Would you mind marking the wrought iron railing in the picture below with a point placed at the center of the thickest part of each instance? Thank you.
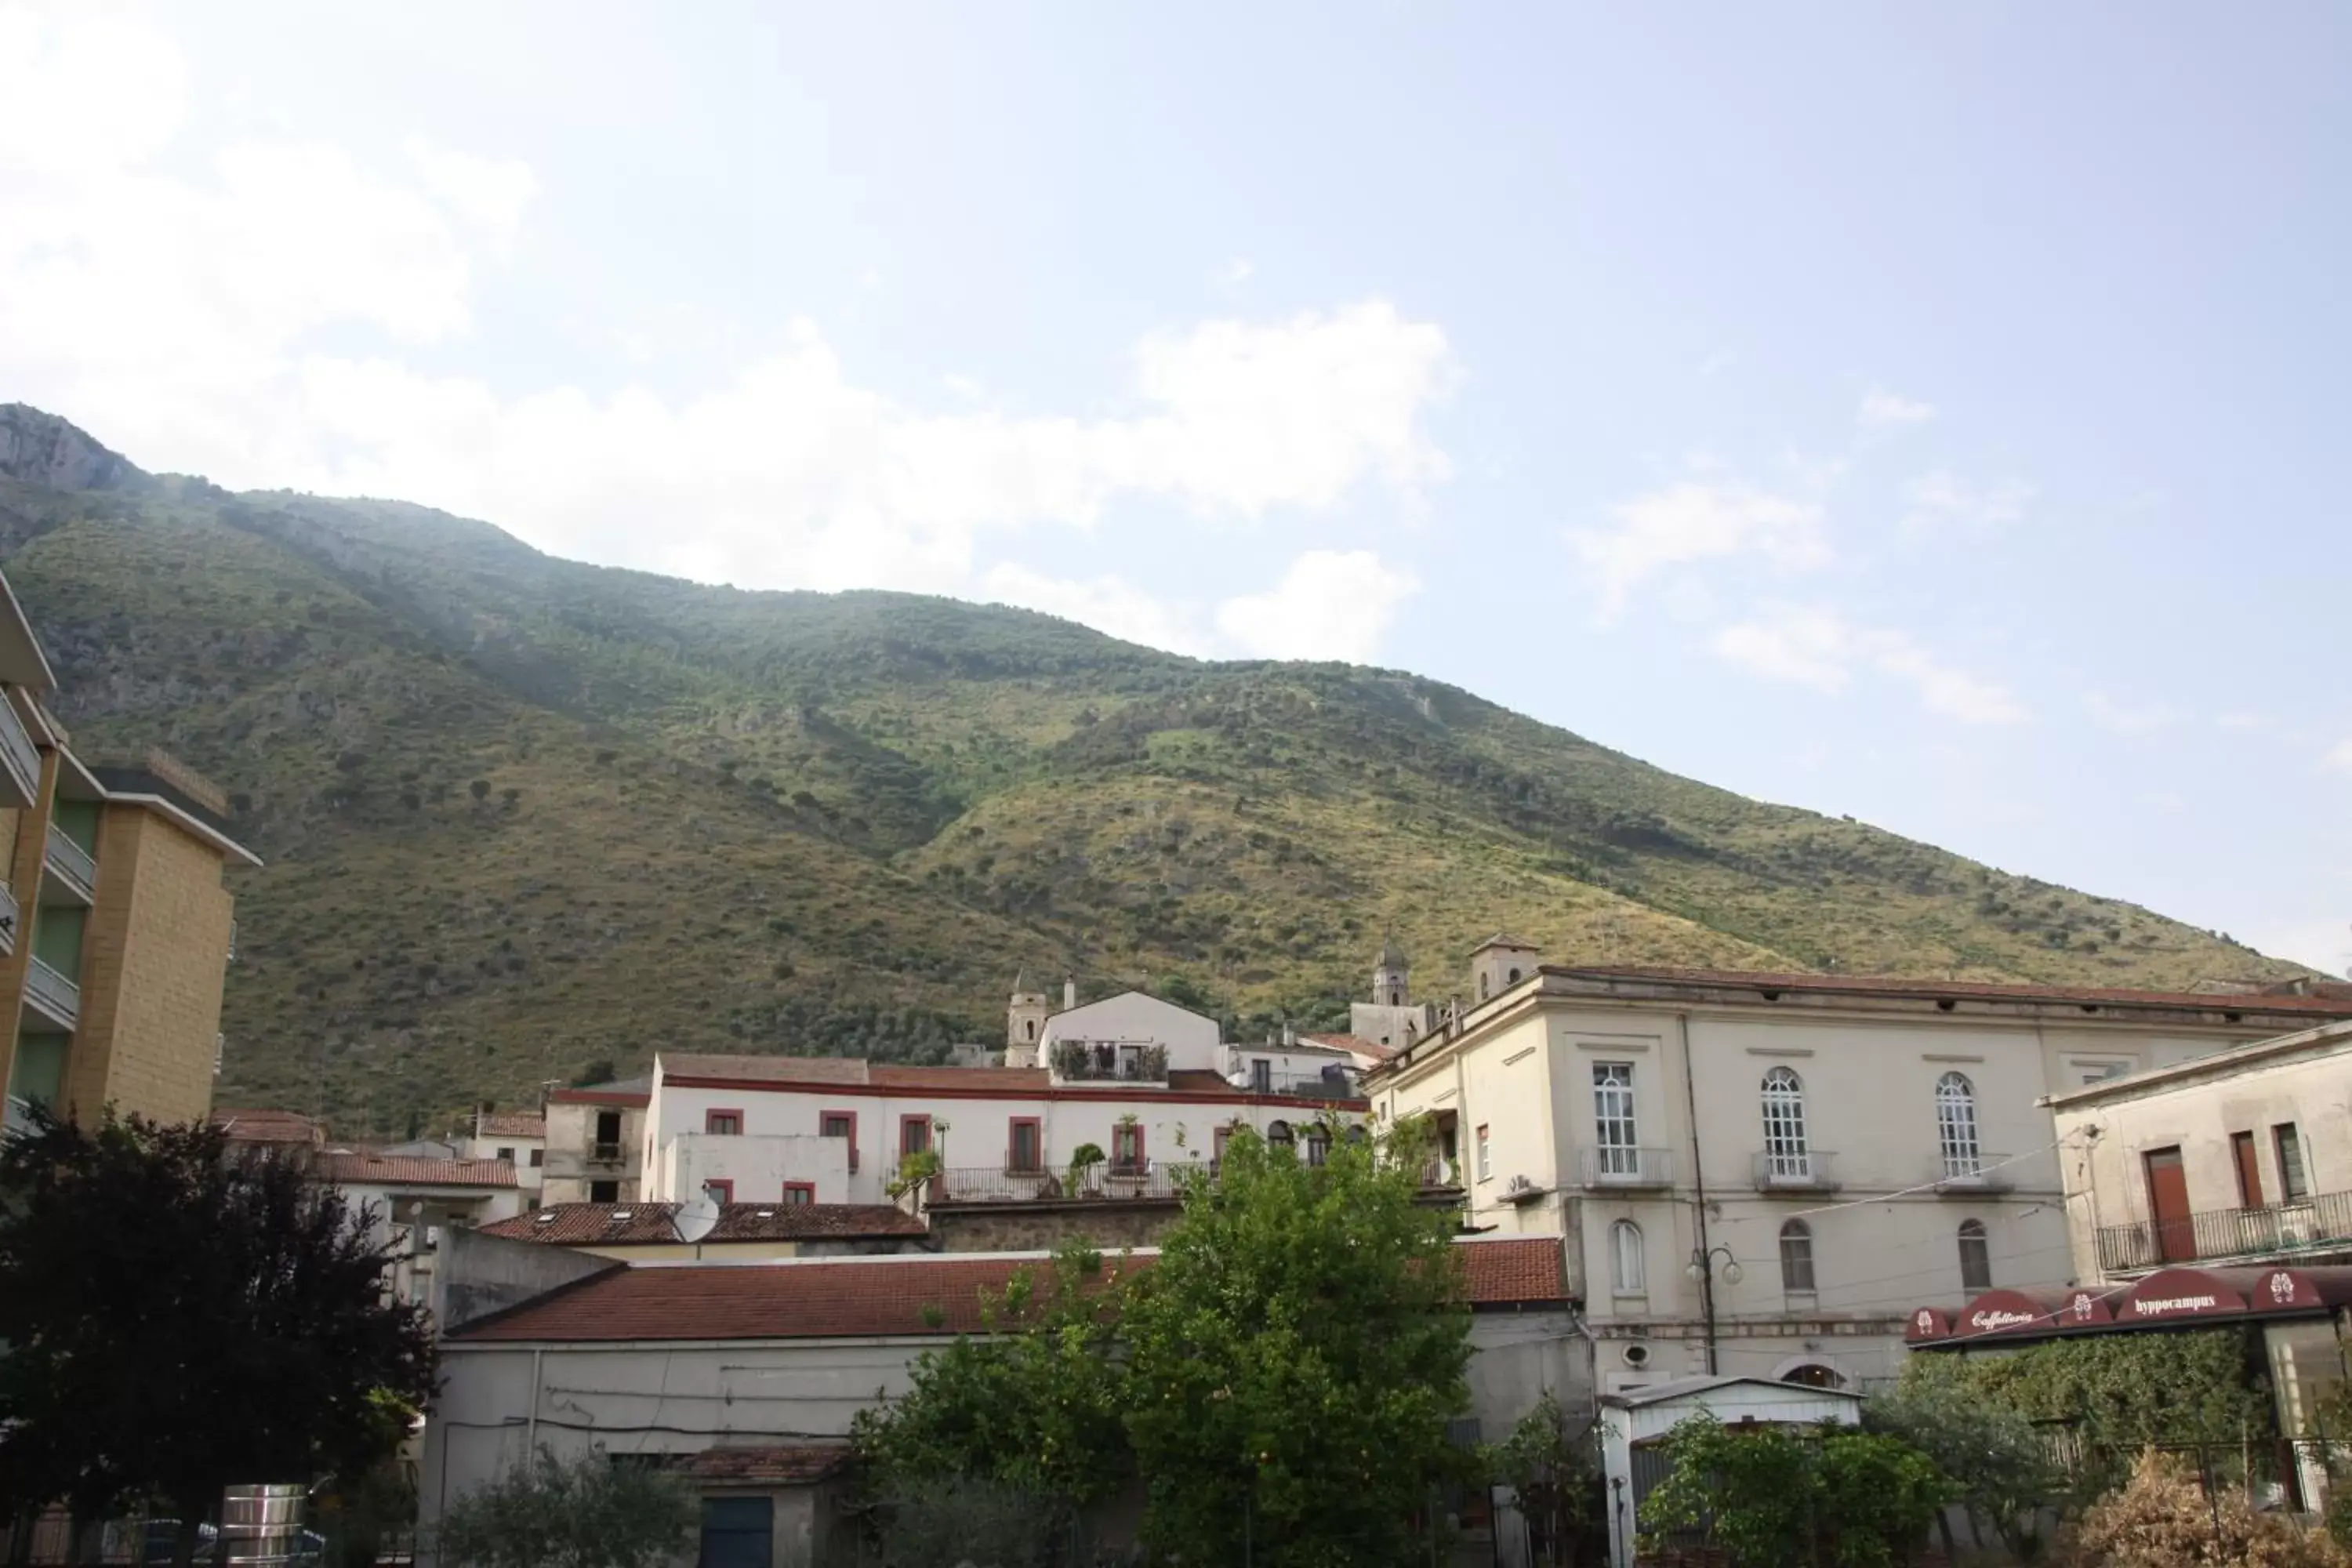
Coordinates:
(994, 1184)
(54, 995)
(1622, 1166)
(2211, 1236)
(1792, 1170)
(1078, 1061)
(71, 862)
(1954, 1171)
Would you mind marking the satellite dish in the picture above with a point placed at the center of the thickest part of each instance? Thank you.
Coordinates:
(1238, 1080)
(696, 1217)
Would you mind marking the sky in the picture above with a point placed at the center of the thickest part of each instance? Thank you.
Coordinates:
(1930, 414)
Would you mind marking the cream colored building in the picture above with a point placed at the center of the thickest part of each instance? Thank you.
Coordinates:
(596, 1139)
(1757, 1173)
(2241, 1157)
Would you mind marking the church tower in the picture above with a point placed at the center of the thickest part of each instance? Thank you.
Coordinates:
(1389, 987)
(1024, 1021)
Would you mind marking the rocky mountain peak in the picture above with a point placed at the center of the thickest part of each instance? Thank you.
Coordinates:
(39, 449)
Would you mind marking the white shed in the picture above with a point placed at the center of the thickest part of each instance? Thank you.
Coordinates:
(1632, 1422)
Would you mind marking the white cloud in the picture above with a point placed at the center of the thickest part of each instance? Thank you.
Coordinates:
(1330, 605)
(2130, 719)
(1109, 604)
(1698, 519)
(2338, 757)
(2245, 722)
(1881, 408)
(1822, 649)
(181, 314)
(1939, 497)
(1235, 273)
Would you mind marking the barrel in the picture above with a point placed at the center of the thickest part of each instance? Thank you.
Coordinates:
(262, 1525)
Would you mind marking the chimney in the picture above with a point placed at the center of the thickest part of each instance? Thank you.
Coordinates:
(1069, 993)
(1290, 1033)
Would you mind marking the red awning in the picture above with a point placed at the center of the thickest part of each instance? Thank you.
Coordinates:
(2166, 1296)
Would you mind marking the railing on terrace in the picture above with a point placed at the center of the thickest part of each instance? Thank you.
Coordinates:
(10, 917)
(1807, 1170)
(1079, 1061)
(52, 992)
(994, 1184)
(72, 863)
(18, 755)
(1309, 1086)
(2316, 1224)
(1629, 1167)
(1965, 1173)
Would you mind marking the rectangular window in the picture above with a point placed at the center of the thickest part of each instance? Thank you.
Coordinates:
(2294, 1185)
(1485, 1150)
(840, 1124)
(603, 1191)
(2250, 1168)
(1127, 1146)
(720, 1190)
(506, 1156)
(608, 1135)
(1261, 1076)
(799, 1193)
(538, 1158)
(1025, 1145)
(1217, 1142)
(728, 1122)
(1614, 1139)
(914, 1135)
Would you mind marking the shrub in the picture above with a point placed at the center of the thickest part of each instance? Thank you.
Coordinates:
(585, 1512)
(1777, 1498)
(479, 789)
(2162, 1518)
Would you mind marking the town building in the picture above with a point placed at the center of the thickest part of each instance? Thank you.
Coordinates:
(517, 1137)
(2238, 1158)
(651, 1232)
(1758, 1174)
(756, 1370)
(596, 1136)
(1392, 1019)
(115, 929)
(413, 1204)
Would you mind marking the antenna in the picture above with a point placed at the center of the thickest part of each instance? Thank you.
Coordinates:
(696, 1217)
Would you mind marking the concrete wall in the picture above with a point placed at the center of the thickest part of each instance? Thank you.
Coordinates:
(1523, 1070)
(484, 1273)
(757, 1164)
(1105, 1223)
(1191, 1039)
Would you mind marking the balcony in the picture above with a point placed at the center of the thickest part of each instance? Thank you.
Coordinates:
(1147, 1181)
(53, 993)
(1332, 1083)
(10, 915)
(607, 1154)
(16, 1115)
(1627, 1168)
(2316, 1225)
(20, 760)
(68, 873)
(1969, 1176)
(1804, 1171)
(1105, 1061)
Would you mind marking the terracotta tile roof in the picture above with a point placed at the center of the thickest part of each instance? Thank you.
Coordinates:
(620, 1091)
(855, 1298)
(511, 1124)
(2018, 991)
(1005, 1080)
(793, 1467)
(1355, 1044)
(397, 1171)
(581, 1224)
(766, 1070)
(270, 1126)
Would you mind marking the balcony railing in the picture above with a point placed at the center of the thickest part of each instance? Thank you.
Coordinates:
(1079, 1061)
(1809, 1171)
(71, 864)
(605, 1155)
(9, 917)
(1629, 1167)
(20, 760)
(992, 1185)
(1960, 1175)
(2319, 1224)
(1335, 1085)
(51, 992)
(16, 1115)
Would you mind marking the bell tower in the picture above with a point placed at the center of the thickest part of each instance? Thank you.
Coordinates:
(1389, 985)
(1024, 1021)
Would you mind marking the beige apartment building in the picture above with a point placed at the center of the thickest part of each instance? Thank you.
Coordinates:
(114, 926)
(595, 1141)
(1758, 1175)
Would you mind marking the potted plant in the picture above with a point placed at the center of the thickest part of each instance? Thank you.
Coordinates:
(1083, 1159)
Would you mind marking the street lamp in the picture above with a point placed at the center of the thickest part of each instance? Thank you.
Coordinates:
(1702, 1265)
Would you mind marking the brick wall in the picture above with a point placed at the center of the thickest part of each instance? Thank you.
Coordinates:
(152, 963)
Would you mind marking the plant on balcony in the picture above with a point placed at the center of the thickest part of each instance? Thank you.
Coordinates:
(1151, 1063)
(914, 1170)
(1070, 1060)
(1084, 1158)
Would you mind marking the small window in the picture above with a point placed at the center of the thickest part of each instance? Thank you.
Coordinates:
(538, 1158)
(728, 1123)
(1627, 1274)
(721, 1191)
(2295, 1182)
(1127, 1146)
(608, 1127)
(1976, 1257)
(1483, 987)
(1261, 1076)
(1486, 1151)
(1797, 1257)
(506, 1156)
(1956, 1126)
(914, 1134)
(1028, 1029)
(603, 1191)
(1022, 1151)
(840, 1124)
(1513, 979)
(798, 1194)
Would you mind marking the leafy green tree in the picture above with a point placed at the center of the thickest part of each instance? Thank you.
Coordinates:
(582, 1512)
(178, 1322)
(1553, 1479)
(1295, 1355)
(1779, 1497)
(1996, 1459)
(1033, 1406)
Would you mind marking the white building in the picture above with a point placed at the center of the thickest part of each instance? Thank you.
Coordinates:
(756, 1369)
(416, 1202)
(517, 1137)
(1758, 1174)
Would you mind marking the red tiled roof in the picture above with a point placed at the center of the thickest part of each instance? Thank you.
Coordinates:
(855, 1298)
(621, 1091)
(766, 1070)
(581, 1224)
(2018, 991)
(270, 1126)
(854, 1072)
(511, 1124)
(793, 1467)
(1355, 1043)
(402, 1171)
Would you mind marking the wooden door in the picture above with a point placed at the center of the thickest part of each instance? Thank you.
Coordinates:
(2168, 1205)
(2246, 1153)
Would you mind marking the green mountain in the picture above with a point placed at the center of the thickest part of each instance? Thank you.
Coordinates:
(522, 813)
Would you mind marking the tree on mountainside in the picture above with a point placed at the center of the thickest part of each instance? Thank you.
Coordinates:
(179, 1321)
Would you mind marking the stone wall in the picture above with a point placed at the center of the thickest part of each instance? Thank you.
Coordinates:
(1106, 1223)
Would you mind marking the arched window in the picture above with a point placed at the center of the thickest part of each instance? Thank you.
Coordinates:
(1316, 1146)
(1028, 1029)
(1627, 1276)
(1797, 1257)
(1278, 1134)
(1813, 1375)
(1786, 1154)
(1514, 978)
(1976, 1257)
(1956, 1125)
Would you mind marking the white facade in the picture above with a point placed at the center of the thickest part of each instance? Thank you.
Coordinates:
(1133, 1018)
(1852, 1147)
(525, 1152)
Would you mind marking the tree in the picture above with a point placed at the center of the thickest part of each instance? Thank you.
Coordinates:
(179, 1321)
(1553, 1479)
(479, 789)
(584, 1512)
(1993, 1455)
(2163, 1518)
(1777, 1498)
(1295, 1356)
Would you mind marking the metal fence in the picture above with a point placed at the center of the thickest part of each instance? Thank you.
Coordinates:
(2209, 1235)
